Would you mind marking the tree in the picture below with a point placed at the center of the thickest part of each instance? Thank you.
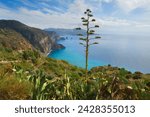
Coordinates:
(86, 39)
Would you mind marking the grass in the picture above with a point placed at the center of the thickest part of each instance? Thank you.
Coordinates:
(12, 89)
(50, 79)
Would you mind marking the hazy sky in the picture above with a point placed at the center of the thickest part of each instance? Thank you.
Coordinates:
(114, 16)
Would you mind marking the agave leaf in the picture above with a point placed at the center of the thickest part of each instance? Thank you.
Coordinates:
(79, 34)
(90, 15)
(95, 43)
(96, 26)
(88, 10)
(68, 88)
(29, 78)
(14, 69)
(97, 37)
(109, 90)
(90, 33)
(93, 20)
(83, 39)
(84, 20)
(44, 86)
(37, 83)
(78, 28)
(58, 92)
(19, 71)
(85, 24)
(81, 43)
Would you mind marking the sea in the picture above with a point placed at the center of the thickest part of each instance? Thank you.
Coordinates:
(131, 52)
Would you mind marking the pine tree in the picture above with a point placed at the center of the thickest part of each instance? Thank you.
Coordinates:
(88, 21)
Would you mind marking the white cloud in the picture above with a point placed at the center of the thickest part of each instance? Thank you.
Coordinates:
(111, 21)
(129, 5)
(39, 19)
(107, 1)
(71, 18)
(78, 7)
(123, 26)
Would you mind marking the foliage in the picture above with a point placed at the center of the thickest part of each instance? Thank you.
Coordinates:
(104, 83)
(40, 85)
(50, 79)
(12, 89)
(31, 55)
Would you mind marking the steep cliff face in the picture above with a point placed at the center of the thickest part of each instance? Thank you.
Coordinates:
(54, 36)
(39, 39)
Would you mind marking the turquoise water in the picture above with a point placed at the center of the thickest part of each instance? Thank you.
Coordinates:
(130, 52)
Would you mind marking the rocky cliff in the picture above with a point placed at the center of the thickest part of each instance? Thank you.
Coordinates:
(38, 38)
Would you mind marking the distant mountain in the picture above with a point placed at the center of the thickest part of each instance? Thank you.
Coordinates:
(63, 32)
(37, 38)
(54, 36)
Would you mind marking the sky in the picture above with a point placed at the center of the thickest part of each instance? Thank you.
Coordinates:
(113, 16)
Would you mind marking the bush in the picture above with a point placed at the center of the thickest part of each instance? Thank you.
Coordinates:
(137, 75)
(30, 55)
(13, 89)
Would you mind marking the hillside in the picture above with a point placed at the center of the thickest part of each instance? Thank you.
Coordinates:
(39, 39)
(29, 75)
(32, 76)
(11, 39)
(26, 74)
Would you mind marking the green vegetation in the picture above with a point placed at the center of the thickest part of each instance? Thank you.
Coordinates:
(26, 74)
(55, 79)
(11, 44)
(89, 35)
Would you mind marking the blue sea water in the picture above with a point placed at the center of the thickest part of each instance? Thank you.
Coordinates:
(130, 52)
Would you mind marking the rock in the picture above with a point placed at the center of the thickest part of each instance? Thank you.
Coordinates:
(39, 39)
(58, 46)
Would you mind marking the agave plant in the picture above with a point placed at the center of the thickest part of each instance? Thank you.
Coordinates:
(40, 86)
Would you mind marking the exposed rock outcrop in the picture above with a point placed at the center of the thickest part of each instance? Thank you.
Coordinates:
(38, 38)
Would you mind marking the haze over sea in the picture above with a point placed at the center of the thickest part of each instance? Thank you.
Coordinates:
(128, 51)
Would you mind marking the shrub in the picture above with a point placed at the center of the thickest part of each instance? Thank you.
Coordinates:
(13, 89)
(30, 55)
(137, 75)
